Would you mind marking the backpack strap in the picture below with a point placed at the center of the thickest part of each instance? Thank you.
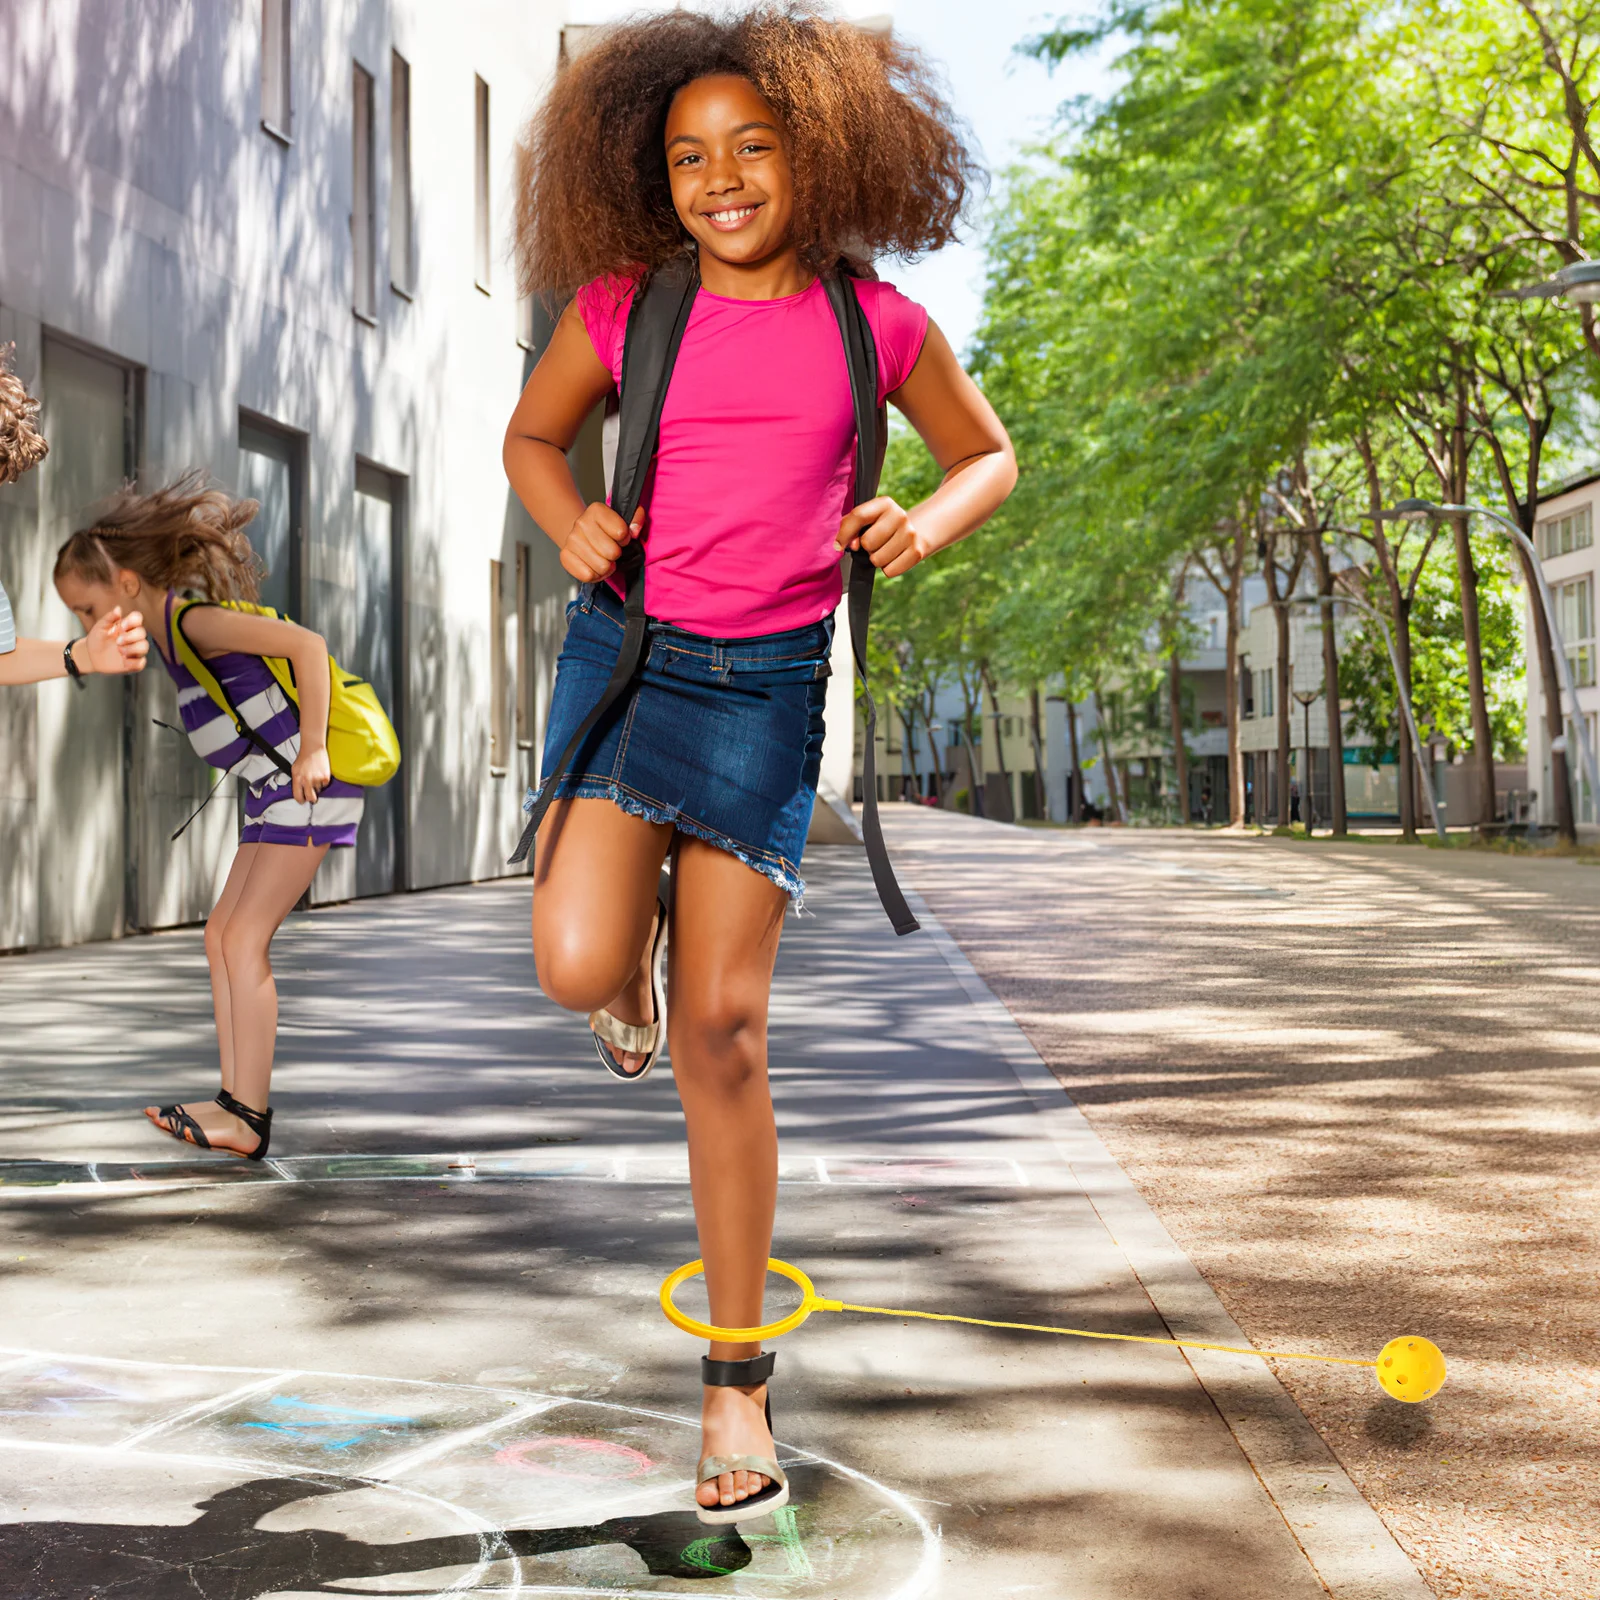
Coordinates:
(656, 322)
(212, 684)
(872, 434)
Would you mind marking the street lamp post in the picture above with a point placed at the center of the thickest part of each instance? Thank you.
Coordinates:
(1307, 697)
(1328, 602)
(1416, 510)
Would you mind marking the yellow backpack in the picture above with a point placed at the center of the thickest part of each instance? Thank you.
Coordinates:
(362, 747)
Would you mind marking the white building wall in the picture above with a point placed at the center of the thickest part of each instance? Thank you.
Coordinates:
(147, 217)
(1576, 565)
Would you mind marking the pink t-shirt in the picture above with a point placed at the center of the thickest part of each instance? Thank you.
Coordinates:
(756, 460)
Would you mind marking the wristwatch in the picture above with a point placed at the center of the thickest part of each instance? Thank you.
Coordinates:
(74, 671)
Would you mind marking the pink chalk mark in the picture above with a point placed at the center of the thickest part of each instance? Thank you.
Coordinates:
(626, 1463)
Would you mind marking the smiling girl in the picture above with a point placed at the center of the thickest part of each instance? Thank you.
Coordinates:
(774, 148)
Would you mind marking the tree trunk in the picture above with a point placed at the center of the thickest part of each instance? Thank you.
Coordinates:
(1280, 616)
(1400, 613)
(999, 745)
(1554, 723)
(1330, 691)
(1113, 799)
(1180, 756)
(1481, 758)
(933, 750)
(1041, 802)
(908, 759)
(973, 706)
(1075, 779)
(1235, 751)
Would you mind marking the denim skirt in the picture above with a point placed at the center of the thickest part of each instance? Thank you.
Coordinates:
(721, 738)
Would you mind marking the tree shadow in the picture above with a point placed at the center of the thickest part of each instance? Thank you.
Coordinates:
(225, 1555)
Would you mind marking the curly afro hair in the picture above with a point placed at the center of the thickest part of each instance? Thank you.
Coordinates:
(881, 164)
(21, 444)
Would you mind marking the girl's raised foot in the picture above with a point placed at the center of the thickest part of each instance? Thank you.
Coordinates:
(629, 1033)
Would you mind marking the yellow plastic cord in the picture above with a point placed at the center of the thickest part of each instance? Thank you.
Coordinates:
(1409, 1367)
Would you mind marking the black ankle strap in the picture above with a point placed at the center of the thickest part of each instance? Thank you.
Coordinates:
(736, 1374)
(256, 1121)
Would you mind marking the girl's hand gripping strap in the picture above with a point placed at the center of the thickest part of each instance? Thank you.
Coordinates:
(861, 357)
(656, 320)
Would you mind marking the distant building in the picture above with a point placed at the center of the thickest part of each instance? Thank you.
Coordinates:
(1564, 537)
(271, 239)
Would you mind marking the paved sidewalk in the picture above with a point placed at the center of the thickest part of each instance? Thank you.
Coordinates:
(1359, 1083)
(369, 1362)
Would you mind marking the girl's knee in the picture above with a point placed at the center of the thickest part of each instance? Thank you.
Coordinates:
(723, 1043)
(577, 978)
(241, 948)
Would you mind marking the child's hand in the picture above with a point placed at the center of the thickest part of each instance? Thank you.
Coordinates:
(117, 643)
(883, 529)
(596, 540)
(311, 775)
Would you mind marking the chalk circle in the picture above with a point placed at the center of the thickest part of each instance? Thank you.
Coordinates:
(524, 1456)
(810, 1301)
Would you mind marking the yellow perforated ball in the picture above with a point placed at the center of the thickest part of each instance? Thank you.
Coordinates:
(1411, 1368)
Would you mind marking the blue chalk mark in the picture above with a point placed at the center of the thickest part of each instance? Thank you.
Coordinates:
(315, 1426)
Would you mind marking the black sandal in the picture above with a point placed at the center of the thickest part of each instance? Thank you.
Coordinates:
(741, 1375)
(186, 1130)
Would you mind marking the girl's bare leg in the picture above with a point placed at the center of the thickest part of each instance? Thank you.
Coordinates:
(726, 921)
(215, 923)
(595, 874)
(272, 883)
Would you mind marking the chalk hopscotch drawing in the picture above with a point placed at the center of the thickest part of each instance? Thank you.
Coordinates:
(69, 1393)
(155, 1514)
(328, 1427)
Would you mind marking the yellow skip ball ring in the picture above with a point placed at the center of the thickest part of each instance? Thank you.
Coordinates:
(1410, 1368)
(809, 1301)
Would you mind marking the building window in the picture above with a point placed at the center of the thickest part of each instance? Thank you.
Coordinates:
(498, 732)
(481, 231)
(1575, 618)
(1265, 688)
(1560, 536)
(400, 240)
(363, 214)
(277, 107)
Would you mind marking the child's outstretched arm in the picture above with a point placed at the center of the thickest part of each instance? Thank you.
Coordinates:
(969, 442)
(568, 383)
(214, 629)
(115, 644)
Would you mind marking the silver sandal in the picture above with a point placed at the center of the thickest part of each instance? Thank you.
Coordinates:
(741, 1375)
(638, 1038)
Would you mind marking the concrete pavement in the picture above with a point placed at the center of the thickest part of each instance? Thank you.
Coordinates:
(374, 1362)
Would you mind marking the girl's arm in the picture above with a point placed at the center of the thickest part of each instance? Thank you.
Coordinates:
(966, 438)
(214, 629)
(568, 383)
(114, 644)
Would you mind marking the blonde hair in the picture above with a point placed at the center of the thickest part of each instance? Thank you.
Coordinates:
(187, 535)
(21, 444)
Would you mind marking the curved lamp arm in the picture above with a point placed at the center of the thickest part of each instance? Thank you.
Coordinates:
(1563, 665)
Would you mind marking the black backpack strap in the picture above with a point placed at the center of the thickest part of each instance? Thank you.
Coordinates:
(871, 439)
(656, 321)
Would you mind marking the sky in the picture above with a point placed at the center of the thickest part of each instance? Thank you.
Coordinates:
(1006, 101)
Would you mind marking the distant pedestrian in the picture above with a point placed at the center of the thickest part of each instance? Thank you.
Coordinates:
(1294, 801)
(1205, 803)
(141, 551)
(769, 153)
